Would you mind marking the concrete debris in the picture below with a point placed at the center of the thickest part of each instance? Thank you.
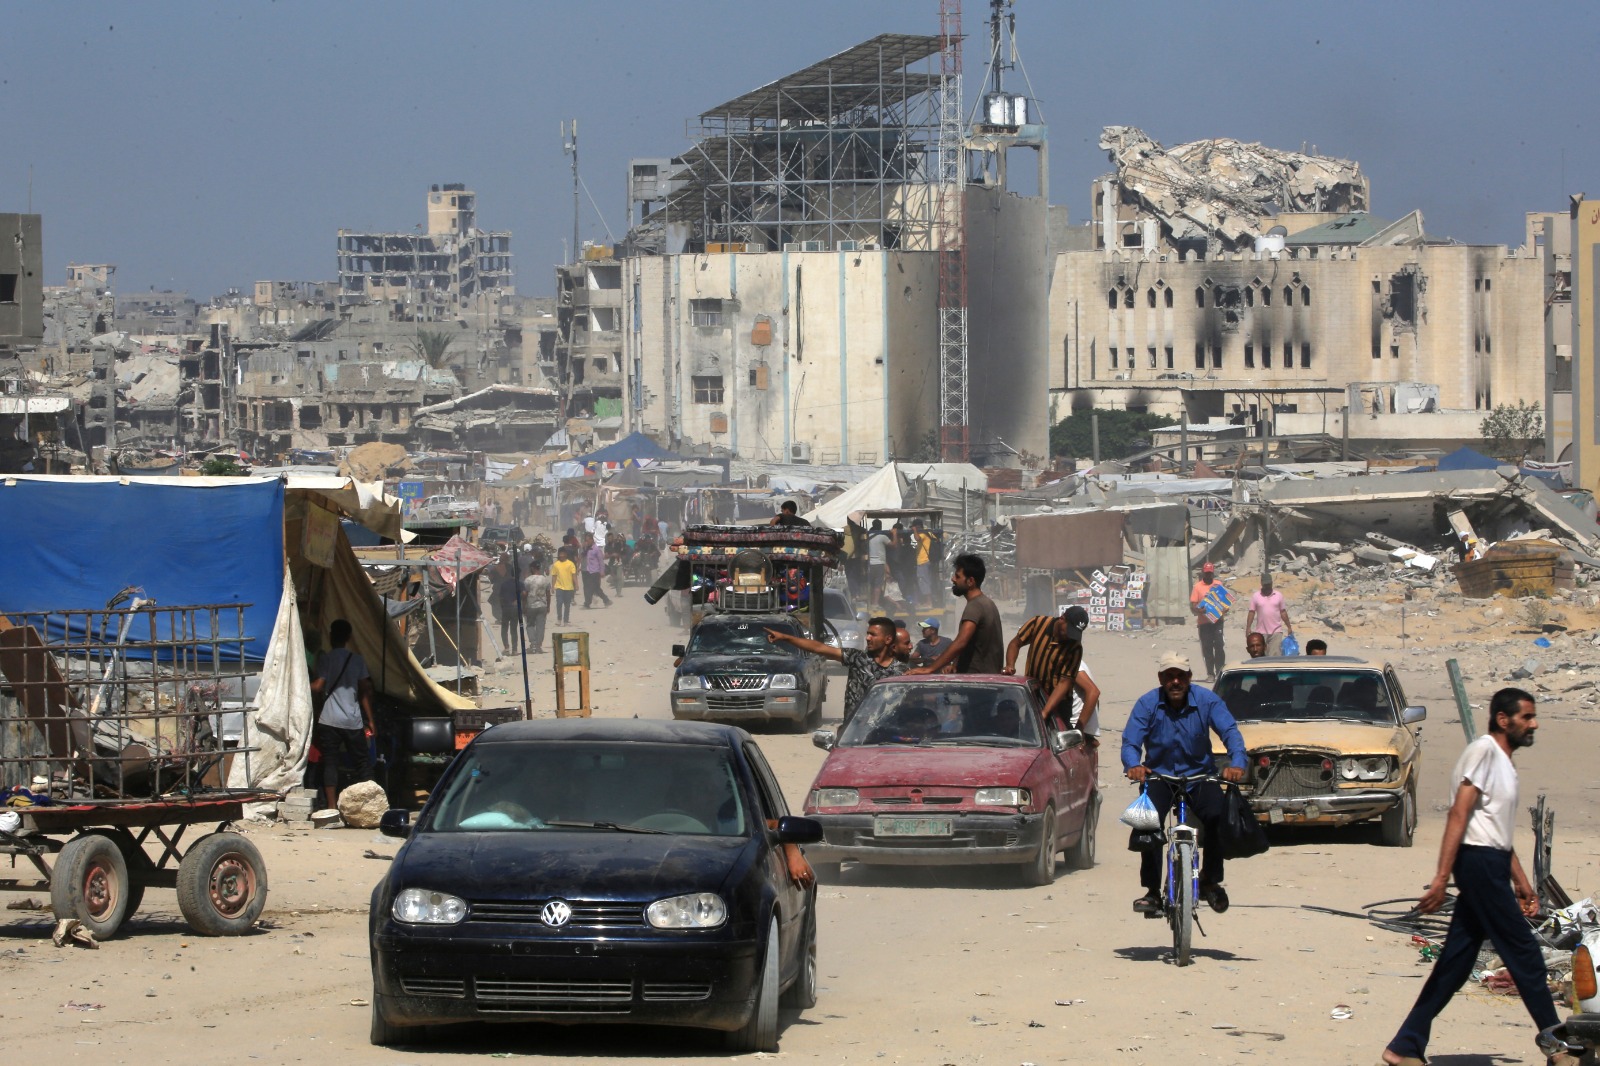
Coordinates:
(362, 805)
(375, 462)
(1227, 192)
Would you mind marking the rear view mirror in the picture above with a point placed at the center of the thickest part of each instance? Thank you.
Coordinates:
(1413, 715)
(795, 830)
(395, 822)
(824, 739)
(861, 616)
(677, 651)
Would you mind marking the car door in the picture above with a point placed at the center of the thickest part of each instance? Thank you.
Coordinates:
(1062, 771)
(792, 899)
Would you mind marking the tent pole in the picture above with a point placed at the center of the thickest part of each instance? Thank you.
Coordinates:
(522, 639)
(458, 619)
(427, 605)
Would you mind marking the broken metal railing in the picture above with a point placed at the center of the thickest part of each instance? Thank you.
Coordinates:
(139, 703)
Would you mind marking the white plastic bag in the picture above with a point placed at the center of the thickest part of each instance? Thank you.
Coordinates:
(1142, 815)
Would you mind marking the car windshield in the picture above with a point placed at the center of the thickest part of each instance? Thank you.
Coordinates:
(944, 714)
(836, 606)
(737, 638)
(566, 787)
(1306, 696)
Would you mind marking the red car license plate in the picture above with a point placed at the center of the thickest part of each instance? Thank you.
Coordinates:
(888, 825)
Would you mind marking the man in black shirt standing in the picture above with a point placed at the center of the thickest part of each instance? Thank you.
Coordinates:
(788, 516)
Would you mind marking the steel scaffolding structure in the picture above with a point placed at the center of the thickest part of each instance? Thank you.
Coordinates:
(842, 151)
(951, 199)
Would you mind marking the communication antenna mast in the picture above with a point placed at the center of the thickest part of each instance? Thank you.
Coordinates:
(569, 145)
(950, 200)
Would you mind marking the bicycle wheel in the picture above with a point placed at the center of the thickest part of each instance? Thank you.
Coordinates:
(1183, 875)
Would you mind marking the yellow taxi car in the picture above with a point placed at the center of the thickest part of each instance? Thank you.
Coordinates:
(1331, 741)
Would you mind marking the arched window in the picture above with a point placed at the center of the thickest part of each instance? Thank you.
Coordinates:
(1288, 296)
(1200, 296)
(1127, 298)
(1111, 299)
(1150, 297)
(1266, 296)
(1305, 296)
(1249, 296)
(1169, 297)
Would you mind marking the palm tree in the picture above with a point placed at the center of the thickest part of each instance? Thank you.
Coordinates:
(432, 344)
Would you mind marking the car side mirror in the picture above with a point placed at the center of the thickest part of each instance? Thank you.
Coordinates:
(395, 822)
(796, 830)
(1413, 715)
(861, 616)
(677, 651)
(1067, 739)
(825, 739)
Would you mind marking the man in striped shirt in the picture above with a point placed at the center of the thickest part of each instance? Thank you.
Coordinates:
(1055, 657)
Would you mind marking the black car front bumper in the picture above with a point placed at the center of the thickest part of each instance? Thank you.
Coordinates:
(473, 975)
(1004, 836)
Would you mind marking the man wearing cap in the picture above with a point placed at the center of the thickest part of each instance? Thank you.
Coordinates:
(1269, 616)
(1169, 735)
(1055, 652)
(931, 646)
(1075, 698)
(1209, 610)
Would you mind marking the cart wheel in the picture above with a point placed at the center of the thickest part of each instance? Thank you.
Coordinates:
(222, 885)
(138, 864)
(90, 883)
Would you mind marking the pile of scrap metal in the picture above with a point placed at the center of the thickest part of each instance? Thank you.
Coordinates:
(1501, 533)
(1223, 191)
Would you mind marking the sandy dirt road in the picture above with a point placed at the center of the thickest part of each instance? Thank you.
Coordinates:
(918, 966)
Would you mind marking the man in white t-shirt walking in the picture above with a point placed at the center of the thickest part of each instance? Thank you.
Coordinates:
(1494, 898)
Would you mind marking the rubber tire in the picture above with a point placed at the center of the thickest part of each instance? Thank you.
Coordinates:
(1183, 907)
(196, 872)
(96, 857)
(1041, 869)
(802, 995)
(1081, 855)
(760, 1033)
(137, 861)
(1399, 826)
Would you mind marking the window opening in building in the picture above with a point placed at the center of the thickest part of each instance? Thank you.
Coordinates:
(1168, 296)
(1150, 297)
(1111, 299)
(1169, 357)
(1216, 356)
(1249, 354)
(1249, 296)
(1266, 355)
(1288, 355)
(707, 388)
(1113, 352)
(1288, 296)
(1305, 296)
(705, 312)
(1266, 296)
(1305, 355)
(1199, 355)
(1127, 299)
(1200, 296)
(1152, 354)
(1394, 351)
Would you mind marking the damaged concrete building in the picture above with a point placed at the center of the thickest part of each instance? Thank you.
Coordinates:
(1226, 283)
(779, 300)
(430, 276)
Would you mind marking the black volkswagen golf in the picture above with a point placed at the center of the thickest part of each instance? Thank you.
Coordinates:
(590, 870)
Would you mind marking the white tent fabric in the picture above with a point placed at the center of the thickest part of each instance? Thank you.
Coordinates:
(883, 489)
(281, 728)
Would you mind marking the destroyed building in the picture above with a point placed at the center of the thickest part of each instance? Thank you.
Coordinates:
(430, 276)
(1229, 284)
(21, 282)
(500, 418)
(779, 300)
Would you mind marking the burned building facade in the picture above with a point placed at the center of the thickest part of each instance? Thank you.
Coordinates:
(1227, 283)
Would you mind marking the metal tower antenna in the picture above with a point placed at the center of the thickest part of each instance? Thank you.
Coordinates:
(951, 222)
(569, 145)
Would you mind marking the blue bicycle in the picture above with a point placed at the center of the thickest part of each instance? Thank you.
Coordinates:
(1180, 882)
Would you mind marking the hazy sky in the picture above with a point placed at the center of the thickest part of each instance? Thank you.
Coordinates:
(204, 146)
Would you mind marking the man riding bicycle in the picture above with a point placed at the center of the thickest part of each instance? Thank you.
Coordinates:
(1168, 735)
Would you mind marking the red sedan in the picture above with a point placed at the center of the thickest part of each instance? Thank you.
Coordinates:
(954, 770)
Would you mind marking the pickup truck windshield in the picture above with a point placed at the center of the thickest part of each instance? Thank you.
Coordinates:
(737, 638)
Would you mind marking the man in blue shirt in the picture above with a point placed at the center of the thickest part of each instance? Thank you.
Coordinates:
(1168, 734)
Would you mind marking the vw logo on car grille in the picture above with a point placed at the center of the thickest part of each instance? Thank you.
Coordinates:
(556, 913)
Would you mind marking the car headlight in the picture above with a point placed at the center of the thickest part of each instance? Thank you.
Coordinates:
(1001, 797)
(782, 681)
(701, 910)
(419, 906)
(1366, 768)
(686, 682)
(835, 797)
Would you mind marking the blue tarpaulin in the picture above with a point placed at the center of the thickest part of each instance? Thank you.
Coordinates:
(1465, 458)
(74, 543)
(628, 451)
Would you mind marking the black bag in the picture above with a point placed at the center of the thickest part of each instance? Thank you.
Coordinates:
(1242, 835)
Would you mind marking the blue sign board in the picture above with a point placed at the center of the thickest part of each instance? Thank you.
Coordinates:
(409, 490)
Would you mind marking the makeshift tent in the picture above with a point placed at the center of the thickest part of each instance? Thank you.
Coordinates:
(191, 541)
(635, 449)
(883, 490)
(1465, 458)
